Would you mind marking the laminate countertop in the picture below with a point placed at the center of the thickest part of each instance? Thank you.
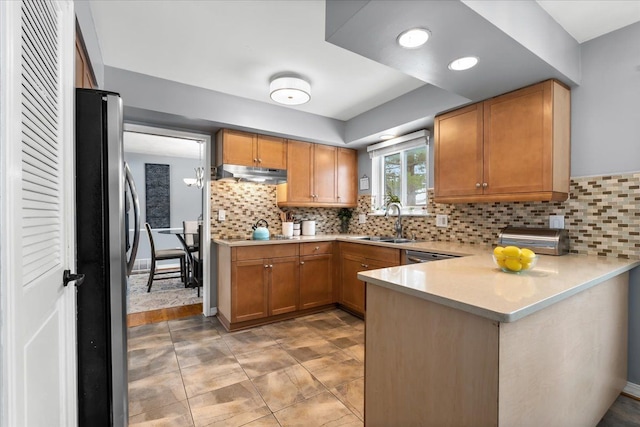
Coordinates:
(473, 283)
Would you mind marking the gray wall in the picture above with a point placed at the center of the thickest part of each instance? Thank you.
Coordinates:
(186, 202)
(605, 118)
(605, 129)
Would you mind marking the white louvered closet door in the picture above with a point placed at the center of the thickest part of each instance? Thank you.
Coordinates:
(37, 236)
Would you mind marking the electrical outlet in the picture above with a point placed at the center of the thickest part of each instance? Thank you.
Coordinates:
(222, 215)
(362, 218)
(442, 220)
(556, 221)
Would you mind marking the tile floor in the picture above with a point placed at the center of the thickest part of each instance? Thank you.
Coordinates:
(302, 372)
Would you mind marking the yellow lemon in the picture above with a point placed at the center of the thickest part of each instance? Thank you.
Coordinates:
(500, 261)
(527, 254)
(511, 251)
(498, 250)
(526, 265)
(513, 264)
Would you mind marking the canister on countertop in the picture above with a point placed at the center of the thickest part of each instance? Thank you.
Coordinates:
(308, 228)
(545, 241)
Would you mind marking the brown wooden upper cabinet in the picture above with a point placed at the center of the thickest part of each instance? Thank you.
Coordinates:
(249, 149)
(319, 175)
(514, 147)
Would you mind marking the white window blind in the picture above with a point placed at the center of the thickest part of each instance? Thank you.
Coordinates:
(405, 142)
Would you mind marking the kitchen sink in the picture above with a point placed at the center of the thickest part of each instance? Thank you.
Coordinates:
(387, 239)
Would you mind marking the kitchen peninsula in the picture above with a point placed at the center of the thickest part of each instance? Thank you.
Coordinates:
(458, 342)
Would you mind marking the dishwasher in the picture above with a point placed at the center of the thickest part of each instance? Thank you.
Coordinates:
(415, 257)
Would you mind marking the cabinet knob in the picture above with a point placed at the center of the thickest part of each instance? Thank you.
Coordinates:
(485, 185)
(301, 262)
(366, 266)
(255, 160)
(270, 265)
(266, 266)
(317, 248)
(477, 185)
(259, 160)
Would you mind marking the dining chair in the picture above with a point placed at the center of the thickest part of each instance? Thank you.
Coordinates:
(161, 255)
(189, 229)
(197, 261)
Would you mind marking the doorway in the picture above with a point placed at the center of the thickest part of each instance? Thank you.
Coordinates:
(171, 170)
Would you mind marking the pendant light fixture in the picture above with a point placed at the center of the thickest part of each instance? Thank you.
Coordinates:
(290, 90)
(198, 181)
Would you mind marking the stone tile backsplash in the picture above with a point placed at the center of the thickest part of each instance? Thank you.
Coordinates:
(602, 216)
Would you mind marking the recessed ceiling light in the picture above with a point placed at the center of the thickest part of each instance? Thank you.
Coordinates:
(413, 38)
(386, 136)
(462, 64)
(290, 90)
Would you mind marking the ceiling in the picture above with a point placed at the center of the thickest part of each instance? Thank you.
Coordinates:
(235, 47)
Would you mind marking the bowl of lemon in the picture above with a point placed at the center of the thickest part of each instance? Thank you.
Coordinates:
(512, 259)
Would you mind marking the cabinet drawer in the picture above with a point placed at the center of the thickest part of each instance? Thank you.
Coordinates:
(265, 251)
(390, 255)
(315, 248)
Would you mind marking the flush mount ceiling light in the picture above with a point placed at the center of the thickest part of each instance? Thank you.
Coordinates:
(462, 64)
(413, 38)
(290, 90)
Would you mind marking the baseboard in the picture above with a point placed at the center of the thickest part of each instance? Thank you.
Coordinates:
(632, 390)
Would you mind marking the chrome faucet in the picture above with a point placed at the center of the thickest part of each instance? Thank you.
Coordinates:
(398, 224)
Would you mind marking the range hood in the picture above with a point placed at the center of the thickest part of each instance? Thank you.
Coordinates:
(252, 174)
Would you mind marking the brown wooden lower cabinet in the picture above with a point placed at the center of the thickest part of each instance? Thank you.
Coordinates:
(249, 290)
(283, 284)
(352, 295)
(355, 258)
(316, 284)
(264, 283)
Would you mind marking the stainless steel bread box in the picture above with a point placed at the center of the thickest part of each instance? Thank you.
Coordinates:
(545, 241)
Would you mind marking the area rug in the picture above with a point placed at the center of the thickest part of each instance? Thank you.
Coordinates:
(164, 294)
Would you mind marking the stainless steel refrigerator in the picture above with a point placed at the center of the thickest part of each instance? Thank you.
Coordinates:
(104, 255)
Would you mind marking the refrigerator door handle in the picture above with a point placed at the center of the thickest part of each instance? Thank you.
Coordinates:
(136, 218)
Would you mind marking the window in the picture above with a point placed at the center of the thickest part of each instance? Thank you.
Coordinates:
(400, 170)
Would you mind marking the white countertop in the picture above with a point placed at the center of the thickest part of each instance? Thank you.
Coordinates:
(440, 247)
(475, 285)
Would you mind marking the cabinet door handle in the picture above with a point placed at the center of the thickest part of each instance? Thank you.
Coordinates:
(301, 262)
(485, 185)
(259, 160)
(255, 160)
(477, 185)
(270, 265)
(266, 266)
